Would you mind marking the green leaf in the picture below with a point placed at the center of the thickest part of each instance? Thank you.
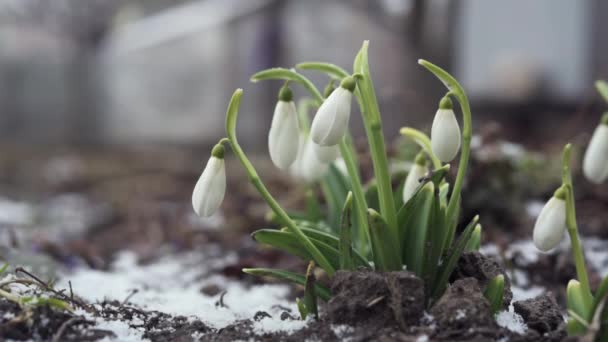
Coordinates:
(413, 233)
(345, 242)
(313, 208)
(287, 241)
(475, 242)
(322, 291)
(434, 240)
(449, 263)
(600, 294)
(334, 242)
(384, 247)
(575, 302)
(310, 296)
(371, 196)
(335, 188)
(4, 268)
(331, 70)
(423, 141)
(494, 293)
(302, 309)
(288, 75)
(602, 88)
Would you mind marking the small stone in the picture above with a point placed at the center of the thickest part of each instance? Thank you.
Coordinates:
(541, 313)
(286, 316)
(260, 315)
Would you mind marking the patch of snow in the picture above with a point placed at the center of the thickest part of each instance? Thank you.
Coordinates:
(342, 330)
(489, 249)
(597, 254)
(124, 333)
(525, 250)
(422, 338)
(172, 285)
(520, 293)
(533, 208)
(15, 213)
(460, 314)
(511, 320)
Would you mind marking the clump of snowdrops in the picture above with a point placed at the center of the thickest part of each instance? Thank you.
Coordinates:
(588, 314)
(362, 226)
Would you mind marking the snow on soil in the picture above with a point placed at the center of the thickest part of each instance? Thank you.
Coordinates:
(173, 285)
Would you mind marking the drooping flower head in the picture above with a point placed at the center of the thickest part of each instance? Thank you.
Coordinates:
(412, 181)
(284, 131)
(331, 121)
(595, 162)
(445, 132)
(210, 189)
(551, 222)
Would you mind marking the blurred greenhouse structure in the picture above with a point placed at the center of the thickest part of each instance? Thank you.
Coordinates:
(76, 71)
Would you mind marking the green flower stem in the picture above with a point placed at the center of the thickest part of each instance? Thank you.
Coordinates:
(373, 128)
(231, 117)
(346, 148)
(456, 90)
(577, 251)
(423, 141)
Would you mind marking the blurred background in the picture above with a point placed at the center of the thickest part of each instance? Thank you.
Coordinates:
(108, 107)
(162, 71)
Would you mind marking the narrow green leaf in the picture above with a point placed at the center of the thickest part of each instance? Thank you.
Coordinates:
(423, 141)
(414, 232)
(385, 248)
(4, 268)
(302, 309)
(331, 70)
(494, 293)
(335, 188)
(437, 176)
(602, 88)
(313, 208)
(334, 242)
(310, 296)
(434, 240)
(575, 302)
(371, 196)
(345, 243)
(475, 242)
(600, 294)
(322, 291)
(450, 261)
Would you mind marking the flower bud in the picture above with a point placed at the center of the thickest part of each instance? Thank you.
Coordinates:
(326, 154)
(209, 191)
(412, 181)
(312, 169)
(283, 134)
(551, 222)
(331, 121)
(445, 132)
(595, 162)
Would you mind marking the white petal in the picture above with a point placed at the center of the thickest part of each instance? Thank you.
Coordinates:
(445, 135)
(283, 135)
(412, 181)
(209, 191)
(326, 154)
(595, 162)
(550, 225)
(296, 166)
(311, 168)
(331, 121)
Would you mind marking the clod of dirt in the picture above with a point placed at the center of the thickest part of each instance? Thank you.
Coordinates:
(484, 269)
(463, 306)
(376, 298)
(541, 313)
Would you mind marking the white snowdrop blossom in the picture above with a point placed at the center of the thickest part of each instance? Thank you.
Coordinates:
(210, 189)
(326, 154)
(284, 131)
(412, 181)
(551, 222)
(595, 162)
(445, 132)
(331, 121)
(311, 168)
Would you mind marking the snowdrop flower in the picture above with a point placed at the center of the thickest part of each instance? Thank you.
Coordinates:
(445, 132)
(209, 191)
(551, 222)
(307, 167)
(331, 121)
(326, 154)
(412, 181)
(282, 138)
(595, 162)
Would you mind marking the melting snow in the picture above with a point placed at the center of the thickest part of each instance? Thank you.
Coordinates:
(512, 321)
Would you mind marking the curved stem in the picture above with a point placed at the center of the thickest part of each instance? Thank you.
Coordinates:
(577, 251)
(373, 128)
(231, 117)
(455, 89)
(423, 141)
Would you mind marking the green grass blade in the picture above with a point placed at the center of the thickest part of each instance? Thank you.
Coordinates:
(434, 240)
(475, 242)
(335, 188)
(385, 248)
(346, 243)
(334, 242)
(322, 291)
(310, 296)
(450, 262)
(414, 232)
(371, 196)
(494, 293)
